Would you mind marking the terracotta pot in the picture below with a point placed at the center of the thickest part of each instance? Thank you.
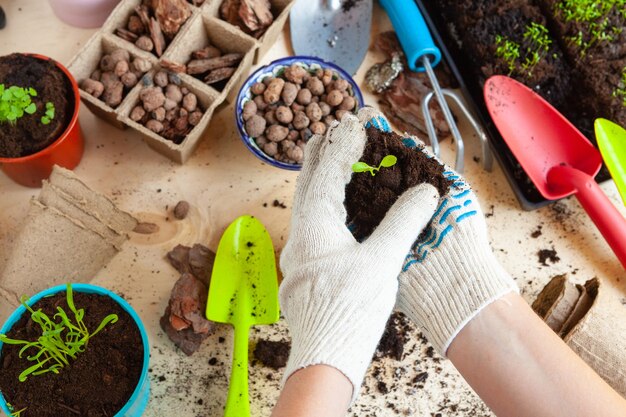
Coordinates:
(83, 13)
(66, 151)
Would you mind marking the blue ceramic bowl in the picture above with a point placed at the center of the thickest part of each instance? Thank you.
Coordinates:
(274, 69)
(139, 399)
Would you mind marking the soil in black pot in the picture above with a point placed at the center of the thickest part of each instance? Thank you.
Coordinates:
(98, 382)
(28, 135)
(368, 198)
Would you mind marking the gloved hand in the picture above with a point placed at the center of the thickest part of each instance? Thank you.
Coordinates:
(337, 293)
(450, 274)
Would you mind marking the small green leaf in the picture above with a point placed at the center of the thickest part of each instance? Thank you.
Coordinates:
(361, 167)
(32, 92)
(31, 108)
(388, 161)
(45, 120)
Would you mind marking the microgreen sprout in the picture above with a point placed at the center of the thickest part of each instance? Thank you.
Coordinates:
(538, 40)
(595, 14)
(49, 114)
(620, 91)
(387, 162)
(508, 51)
(15, 413)
(62, 337)
(15, 102)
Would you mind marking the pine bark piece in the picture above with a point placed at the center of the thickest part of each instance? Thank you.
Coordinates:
(127, 35)
(157, 36)
(144, 15)
(174, 66)
(171, 15)
(206, 53)
(219, 74)
(198, 66)
(256, 14)
(229, 11)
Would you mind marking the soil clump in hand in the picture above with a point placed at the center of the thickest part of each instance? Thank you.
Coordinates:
(368, 198)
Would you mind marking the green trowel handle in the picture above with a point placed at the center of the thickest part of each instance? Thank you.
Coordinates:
(238, 404)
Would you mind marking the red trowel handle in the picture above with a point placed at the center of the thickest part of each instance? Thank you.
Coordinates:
(608, 220)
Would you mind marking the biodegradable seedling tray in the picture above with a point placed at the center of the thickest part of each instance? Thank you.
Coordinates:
(204, 26)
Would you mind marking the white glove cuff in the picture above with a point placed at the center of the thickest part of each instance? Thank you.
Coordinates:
(325, 333)
(471, 279)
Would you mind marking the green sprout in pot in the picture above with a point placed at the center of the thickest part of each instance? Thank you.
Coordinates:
(15, 102)
(62, 337)
(15, 413)
(387, 162)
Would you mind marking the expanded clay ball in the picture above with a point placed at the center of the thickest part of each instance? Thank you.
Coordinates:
(296, 74)
(313, 112)
(257, 88)
(152, 98)
(174, 93)
(141, 65)
(334, 98)
(289, 108)
(273, 91)
(194, 118)
(113, 94)
(255, 126)
(284, 114)
(121, 68)
(300, 120)
(249, 110)
(129, 80)
(190, 102)
(95, 88)
(289, 94)
(304, 96)
(155, 126)
(160, 79)
(276, 133)
(137, 113)
(120, 55)
(107, 63)
(316, 86)
(144, 43)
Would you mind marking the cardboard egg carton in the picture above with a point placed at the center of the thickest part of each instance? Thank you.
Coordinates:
(204, 26)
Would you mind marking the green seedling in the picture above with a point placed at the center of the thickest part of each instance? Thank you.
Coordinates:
(15, 102)
(387, 162)
(538, 40)
(595, 14)
(620, 91)
(508, 51)
(49, 114)
(62, 338)
(14, 413)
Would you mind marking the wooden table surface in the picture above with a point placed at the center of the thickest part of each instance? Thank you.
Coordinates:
(223, 180)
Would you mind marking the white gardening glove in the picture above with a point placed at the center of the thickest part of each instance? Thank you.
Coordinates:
(451, 273)
(337, 293)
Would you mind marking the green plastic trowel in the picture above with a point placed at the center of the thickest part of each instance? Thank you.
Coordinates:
(243, 292)
(611, 139)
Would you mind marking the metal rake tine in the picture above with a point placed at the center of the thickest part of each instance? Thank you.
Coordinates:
(432, 134)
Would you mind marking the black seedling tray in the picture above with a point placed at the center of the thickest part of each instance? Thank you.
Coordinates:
(526, 193)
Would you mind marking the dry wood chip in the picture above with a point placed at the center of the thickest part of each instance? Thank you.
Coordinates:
(126, 35)
(142, 12)
(171, 15)
(173, 66)
(256, 14)
(157, 36)
(208, 52)
(198, 66)
(146, 228)
(229, 11)
(219, 74)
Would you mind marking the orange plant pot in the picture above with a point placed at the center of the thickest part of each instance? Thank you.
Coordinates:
(66, 150)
